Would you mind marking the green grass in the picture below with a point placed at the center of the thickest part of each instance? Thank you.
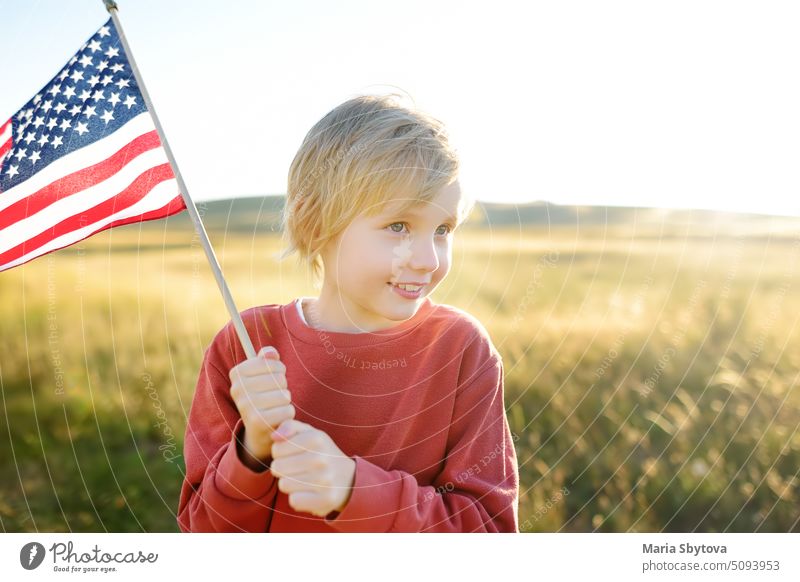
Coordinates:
(101, 340)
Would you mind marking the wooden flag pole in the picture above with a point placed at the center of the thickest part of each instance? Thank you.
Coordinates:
(249, 350)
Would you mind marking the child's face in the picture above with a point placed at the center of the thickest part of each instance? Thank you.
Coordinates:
(374, 253)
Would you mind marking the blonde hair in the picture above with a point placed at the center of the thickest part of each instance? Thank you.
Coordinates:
(358, 157)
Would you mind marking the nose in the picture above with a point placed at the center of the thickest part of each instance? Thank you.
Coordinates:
(423, 255)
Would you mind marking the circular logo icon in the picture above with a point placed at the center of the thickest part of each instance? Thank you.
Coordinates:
(31, 555)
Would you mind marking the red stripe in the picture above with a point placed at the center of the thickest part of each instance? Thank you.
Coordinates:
(128, 197)
(173, 207)
(78, 181)
(4, 148)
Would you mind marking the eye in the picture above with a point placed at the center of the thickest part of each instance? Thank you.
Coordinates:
(400, 224)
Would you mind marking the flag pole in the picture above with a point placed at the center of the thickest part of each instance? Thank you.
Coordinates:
(247, 344)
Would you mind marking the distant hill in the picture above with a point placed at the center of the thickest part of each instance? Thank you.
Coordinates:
(261, 214)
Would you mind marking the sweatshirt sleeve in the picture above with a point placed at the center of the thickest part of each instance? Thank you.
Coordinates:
(477, 490)
(219, 493)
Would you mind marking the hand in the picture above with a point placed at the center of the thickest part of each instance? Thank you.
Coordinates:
(311, 469)
(260, 393)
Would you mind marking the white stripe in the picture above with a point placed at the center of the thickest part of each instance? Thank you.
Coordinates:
(79, 159)
(155, 199)
(49, 216)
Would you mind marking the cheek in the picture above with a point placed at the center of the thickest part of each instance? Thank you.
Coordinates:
(361, 261)
(445, 260)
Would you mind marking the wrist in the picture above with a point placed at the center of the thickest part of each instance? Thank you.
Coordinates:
(253, 460)
(349, 491)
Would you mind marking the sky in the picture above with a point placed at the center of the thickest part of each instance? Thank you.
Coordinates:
(680, 104)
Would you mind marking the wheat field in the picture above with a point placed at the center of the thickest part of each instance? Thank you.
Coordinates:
(651, 370)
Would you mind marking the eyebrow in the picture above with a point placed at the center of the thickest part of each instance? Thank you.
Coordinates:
(410, 212)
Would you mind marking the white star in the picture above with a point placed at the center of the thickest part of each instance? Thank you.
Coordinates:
(54, 90)
(117, 68)
(43, 140)
(47, 106)
(94, 46)
(21, 153)
(114, 99)
(81, 129)
(51, 123)
(94, 80)
(86, 61)
(28, 114)
(69, 92)
(130, 101)
(30, 137)
(122, 83)
(89, 112)
(57, 141)
(65, 124)
(103, 32)
(37, 98)
(112, 52)
(102, 66)
(77, 76)
(60, 107)
(85, 95)
(38, 122)
(98, 95)
(73, 60)
(106, 80)
(75, 110)
(35, 157)
(107, 116)
(12, 171)
(64, 74)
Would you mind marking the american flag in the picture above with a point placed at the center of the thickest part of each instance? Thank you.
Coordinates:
(82, 156)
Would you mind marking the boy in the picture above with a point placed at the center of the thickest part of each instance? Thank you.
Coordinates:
(369, 408)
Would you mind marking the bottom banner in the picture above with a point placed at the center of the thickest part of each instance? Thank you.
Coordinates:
(741, 557)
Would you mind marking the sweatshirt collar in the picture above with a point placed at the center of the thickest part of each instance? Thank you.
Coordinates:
(300, 331)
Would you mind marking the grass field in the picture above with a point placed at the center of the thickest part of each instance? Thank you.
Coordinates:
(651, 370)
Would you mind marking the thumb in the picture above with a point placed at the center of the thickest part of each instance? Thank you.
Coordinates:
(268, 352)
(287, 429)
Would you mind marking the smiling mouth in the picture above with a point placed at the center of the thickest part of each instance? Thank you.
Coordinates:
(407, 287)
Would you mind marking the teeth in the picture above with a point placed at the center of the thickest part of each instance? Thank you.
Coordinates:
(411, 288)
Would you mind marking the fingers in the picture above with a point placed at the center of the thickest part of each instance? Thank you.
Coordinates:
(257, 366)
(262, 400)
(248, 386)
(272, 417)
(291, 428)
(303, 482)
(294, 465)
(309, 502)
(307, 441)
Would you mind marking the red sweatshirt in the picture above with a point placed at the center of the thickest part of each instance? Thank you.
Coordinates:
(419, 407)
